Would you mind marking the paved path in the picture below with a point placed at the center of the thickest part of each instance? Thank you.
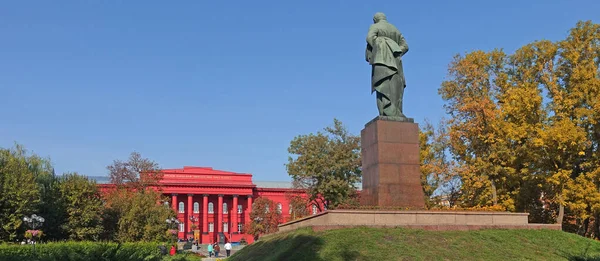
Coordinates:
(222, 253)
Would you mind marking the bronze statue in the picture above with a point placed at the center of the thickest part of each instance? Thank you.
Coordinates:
(385, 48)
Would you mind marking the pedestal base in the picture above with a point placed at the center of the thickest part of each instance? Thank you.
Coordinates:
(390, 164)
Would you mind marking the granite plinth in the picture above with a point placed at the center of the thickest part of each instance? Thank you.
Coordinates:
(427, 220)
(391, 164)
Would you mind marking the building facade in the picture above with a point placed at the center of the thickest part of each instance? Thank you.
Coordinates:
(215, 205)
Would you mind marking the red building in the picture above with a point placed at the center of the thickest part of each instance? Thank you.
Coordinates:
(215, 205)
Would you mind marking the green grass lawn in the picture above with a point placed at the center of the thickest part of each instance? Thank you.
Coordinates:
(363, 243)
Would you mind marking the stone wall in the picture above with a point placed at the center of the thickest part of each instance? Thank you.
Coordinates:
(429, 220)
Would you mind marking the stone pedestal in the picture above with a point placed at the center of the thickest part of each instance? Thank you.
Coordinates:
(390, 164)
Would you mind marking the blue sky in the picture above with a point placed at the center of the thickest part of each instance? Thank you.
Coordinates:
(228, 84)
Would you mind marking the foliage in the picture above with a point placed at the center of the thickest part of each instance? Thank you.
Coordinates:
(135, 216)
(363, 243)
(436, 170)
(299, 206)
(133, 209)
(33, 234)
(51, 207)
(515, 148)
(88, 251)
(327, 164)
(83, 206)
(137, 172)
(264, 219)
(19, 191)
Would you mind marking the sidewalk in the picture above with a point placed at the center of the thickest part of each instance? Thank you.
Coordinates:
(222, 254)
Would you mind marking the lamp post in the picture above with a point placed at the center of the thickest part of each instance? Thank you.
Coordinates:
(173, 225)
(34, 222)
(193, 225)
(194, 219)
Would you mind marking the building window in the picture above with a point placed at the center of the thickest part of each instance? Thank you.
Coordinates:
(314, 209)
(225, 227)
(181, 207)
(225, 211)
(211, 208)
(211, 227)
(181, 227)
(196, 207)
(290, 210)
(239, 209)
(279, 208)
(240, 228)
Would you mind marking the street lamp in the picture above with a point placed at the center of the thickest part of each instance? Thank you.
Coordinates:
(193, 219)
(34, 221)
(173, 223)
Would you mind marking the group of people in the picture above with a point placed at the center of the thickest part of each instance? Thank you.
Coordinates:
(214, 248)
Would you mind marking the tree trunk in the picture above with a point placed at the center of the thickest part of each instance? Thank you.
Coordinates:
(596, 226)
(561, 214)
(586, 224)
(494, 194)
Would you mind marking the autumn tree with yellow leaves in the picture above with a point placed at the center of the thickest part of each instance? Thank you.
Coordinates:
(524, 129)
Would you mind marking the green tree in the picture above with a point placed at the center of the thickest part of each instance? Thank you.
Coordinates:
(137, 216)
(83, 206)
(19, 192)
(133, 209)
(264, 218)
(51, 207)
(327, 164)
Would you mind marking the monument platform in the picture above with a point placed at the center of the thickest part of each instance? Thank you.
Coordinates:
(390, 164)
(427, 220)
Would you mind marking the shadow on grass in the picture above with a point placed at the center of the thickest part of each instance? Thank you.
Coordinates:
(584, 256)
(572, 257)
(296, 247)
(348, 254)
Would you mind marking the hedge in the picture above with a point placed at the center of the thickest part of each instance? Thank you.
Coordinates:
(84, 251)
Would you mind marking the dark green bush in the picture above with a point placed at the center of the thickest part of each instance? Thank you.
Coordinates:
(84, 251)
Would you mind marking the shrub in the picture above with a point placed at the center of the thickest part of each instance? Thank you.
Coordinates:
(84, 251)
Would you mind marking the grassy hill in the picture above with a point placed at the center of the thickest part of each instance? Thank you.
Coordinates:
(363, 243)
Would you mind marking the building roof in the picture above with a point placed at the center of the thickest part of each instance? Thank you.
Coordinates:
(273, 184)
(100, 179)
(259, 184)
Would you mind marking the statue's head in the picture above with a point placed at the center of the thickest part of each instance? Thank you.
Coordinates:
(379, 17)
